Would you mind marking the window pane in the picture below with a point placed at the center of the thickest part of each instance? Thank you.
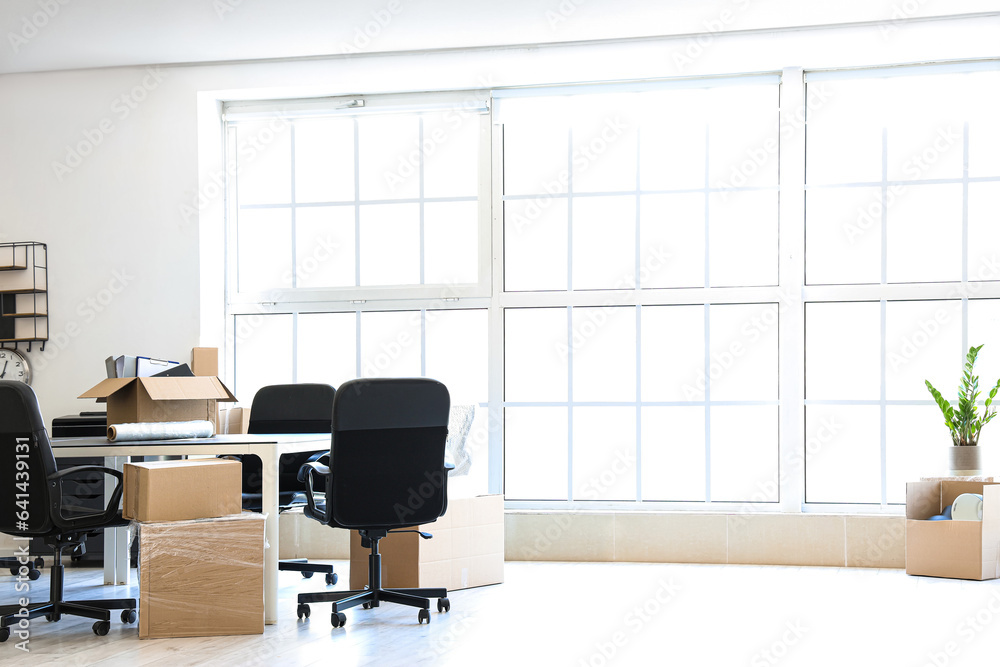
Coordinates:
(604, 453)
(844, 235)
(536, 151)
(451, 242)
(456, 352)
(603, 243)
(535, 354)
(604, 143)
(743, 135)
(743, 238)
(672, 240)
(324, 246)
(672, 142)
(390, 344)
(744, 453)
(324, 160)
(744, 352)
(536, 238)
(673, 453)
(536, 453)
(327, 348)
(915, 442)
(984, 329)
(673, 353)
(984, 231)
(390, 244)
(263, 353)
(389, 156)
(264, 246)
(844, 141)
(604, 354)
(451, 153)
(264, 162)
(844, 454)
(923, 342)
(843, 351)
(924, 234)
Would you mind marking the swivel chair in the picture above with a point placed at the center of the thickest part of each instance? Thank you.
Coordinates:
(33, 504)
(387, 473)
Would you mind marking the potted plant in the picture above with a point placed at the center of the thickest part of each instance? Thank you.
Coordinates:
(964, 421)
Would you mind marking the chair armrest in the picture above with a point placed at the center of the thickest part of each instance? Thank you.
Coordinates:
(96, 519)
(308, 473)
(316, 457)
(449, 466)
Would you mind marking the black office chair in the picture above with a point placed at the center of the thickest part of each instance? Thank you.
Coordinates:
(288, 408)
(387, 472)
(35, 505)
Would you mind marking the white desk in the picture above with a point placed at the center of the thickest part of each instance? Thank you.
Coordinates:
(268, 447)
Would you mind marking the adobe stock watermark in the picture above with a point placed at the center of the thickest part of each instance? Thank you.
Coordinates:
(695, 47)
(121, 108)
(971, 627)
(901, 11)
(792, 122)
(603, 653)
(367, 33)
(780, 648)
(32, 25)
(87, 310)
(869, 215)
(247, 149)
(22, 516)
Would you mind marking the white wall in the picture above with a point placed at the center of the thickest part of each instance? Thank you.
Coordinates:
(114, 224)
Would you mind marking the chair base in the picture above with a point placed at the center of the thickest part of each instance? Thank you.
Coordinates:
(56, 607)
(374, 594)
(308, 569)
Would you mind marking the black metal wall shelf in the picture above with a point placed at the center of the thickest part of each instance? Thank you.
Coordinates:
(24, 283)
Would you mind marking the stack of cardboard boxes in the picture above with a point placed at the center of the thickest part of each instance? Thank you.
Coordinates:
(201, 560)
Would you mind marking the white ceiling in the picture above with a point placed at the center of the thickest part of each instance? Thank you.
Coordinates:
(46, 35)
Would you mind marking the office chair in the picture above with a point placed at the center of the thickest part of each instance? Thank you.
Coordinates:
(35, 505)
(288, 408)
(387, 473)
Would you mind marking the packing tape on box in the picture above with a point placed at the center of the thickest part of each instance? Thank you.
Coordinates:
(161, 430)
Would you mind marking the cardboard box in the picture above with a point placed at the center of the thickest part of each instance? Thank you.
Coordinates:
(302, 537)
(205, 361)
(165, 399)
(202, 578)
(182, 490)
(466, 550)
(234, 420)
(954, 549)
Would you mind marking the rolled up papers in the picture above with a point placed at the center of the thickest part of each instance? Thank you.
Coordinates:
(161, 430)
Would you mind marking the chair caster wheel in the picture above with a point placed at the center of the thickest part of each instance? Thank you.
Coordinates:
(307, 575)
(33, 574)
(444, 604)
(366, 605)
(4, 634)
(302, 611)
(39, 562)
(338, 619)
(331, 578)
(129, 616)
(102, 628)
(14, 570)
(423, 615)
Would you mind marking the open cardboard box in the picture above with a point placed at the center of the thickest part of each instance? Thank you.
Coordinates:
(161, 399)
(954, 549)
(467, 550)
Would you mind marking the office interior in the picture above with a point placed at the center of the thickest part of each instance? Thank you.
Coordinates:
(691, 262)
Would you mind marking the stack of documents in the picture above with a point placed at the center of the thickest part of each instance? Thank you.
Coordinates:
(140, 367)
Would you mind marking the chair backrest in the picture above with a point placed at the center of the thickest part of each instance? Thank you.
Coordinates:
(287, 408)
(24, 448)
(387, 453)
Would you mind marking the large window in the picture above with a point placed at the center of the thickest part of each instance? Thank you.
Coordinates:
(716, 292)
(902, 201)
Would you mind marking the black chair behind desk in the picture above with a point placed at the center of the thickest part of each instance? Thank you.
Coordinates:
(36, 506)
(388, 440)
(288, 408)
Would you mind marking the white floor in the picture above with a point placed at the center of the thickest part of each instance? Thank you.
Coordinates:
(586, 615)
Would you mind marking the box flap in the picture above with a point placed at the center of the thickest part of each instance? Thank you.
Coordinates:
(105, 388)
(923, 499)
(185, 388)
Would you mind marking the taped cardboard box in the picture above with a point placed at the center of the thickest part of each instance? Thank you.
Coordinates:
(182, 490)
(233, 420)
(202, 578)
(953, 549)
(205, 361)
(466, 551)
(161, 399)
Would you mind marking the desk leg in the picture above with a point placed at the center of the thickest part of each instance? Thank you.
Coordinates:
(269, 506)
(116, 571)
